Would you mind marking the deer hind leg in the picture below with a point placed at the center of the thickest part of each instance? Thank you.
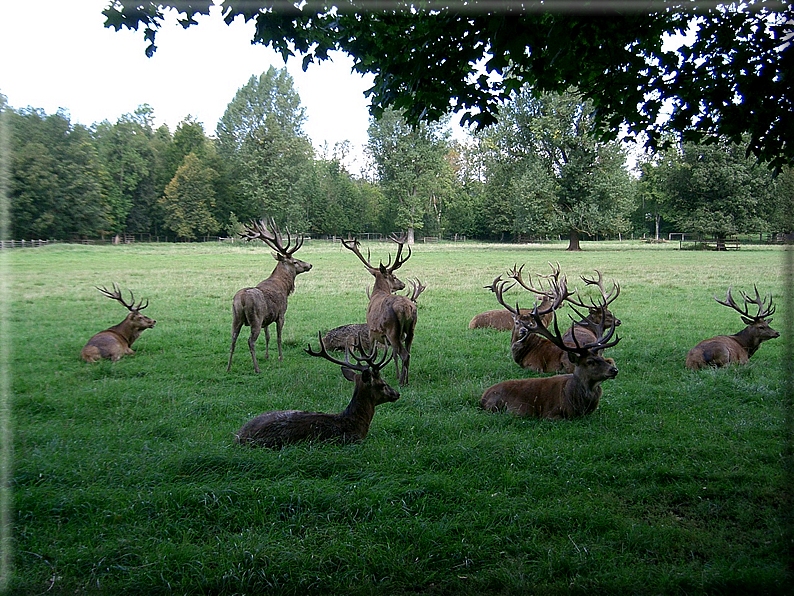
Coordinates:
(236, 326)
(255, 331)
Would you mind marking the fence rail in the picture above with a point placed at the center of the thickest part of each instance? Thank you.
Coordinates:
(24, 243)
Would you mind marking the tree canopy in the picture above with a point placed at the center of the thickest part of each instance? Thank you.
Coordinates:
(430, 57)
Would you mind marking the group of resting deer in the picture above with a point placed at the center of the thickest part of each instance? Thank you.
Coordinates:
(537, 342)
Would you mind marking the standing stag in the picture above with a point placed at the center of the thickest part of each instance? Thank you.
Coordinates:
(391, 318)
(561, 396)
(279, 428)
(266, 303)
(116, 341)
(738, 348)
(345, 336)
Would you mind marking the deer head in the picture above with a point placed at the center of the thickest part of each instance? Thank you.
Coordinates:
(597, 309)
(759, 322)
(269, 233)
(384, 272)
(136, 319)
(364, 372)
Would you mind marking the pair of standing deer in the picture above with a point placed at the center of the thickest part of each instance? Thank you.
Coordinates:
(391, 320)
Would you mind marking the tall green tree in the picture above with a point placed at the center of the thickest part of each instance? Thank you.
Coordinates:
(553, 174)
(57, 184)
(189, 199)
(717, 191)
(431, 57)
(412, 167)
(261, 136)
(125, 150)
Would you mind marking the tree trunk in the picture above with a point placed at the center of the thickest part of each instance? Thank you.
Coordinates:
(573, 241)
(411, 238)
(720, 242)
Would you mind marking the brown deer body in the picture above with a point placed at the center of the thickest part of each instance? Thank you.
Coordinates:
(344, 337)
(266, 303)
(279, 428)
(738, 348)
(391, 318)
(560, 396)
(498, 319)
(116, 341)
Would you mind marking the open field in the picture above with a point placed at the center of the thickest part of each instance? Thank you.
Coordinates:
(126, 479)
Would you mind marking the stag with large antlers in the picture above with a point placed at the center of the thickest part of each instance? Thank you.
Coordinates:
(345, 336)
(266, 303)
(561, 396)
(537, 353)
(391, 318)
(738, 348)
(279, 428)
(116, 341)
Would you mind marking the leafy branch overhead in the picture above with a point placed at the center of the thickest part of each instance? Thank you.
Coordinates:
(433, 57)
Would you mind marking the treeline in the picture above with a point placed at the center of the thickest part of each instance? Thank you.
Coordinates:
(538, 173)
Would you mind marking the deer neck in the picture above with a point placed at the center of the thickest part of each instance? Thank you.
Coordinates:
(284, 276)
(381, 285)
(360, 410)
(126, 331)
(748, 339)
(583, 394)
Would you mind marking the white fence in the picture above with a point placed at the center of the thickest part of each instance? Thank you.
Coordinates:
(24, 243)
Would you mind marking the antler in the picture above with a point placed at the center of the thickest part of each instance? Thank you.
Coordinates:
(553, 298)
(553, 277)
(367, 360)
(354, 246)
(418, 288)
(116, 295)
(606, 297)
(400, 241)
(764, 309)
(272, 236)
(602, 341)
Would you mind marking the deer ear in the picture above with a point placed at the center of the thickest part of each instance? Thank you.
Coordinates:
(349, 373)
(383, 269)
(747, 321)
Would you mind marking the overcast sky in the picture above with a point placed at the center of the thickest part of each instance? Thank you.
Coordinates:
(57, 54)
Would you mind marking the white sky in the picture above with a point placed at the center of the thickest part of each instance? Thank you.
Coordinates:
(57, 54)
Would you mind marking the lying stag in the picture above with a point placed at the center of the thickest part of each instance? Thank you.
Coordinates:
(116, 341)
(537, 353)
(561, 396)
(266, 303)
(391, 318)
(738, 348)
(276, 429)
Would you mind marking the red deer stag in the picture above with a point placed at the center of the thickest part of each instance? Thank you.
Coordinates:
(266, 303)
(539, 354)
(279, 428)
(561, 396)
(345, 336)
(391, 318)
(117, 341)
(738, 348)
(499, 319)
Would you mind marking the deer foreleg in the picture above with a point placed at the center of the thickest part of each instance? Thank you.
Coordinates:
(279, 325)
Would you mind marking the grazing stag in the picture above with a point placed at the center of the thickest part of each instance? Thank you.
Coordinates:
(391, 318)
(561, 396)
(266, 303)
(738, 348)
(279, 428)
(117, 341)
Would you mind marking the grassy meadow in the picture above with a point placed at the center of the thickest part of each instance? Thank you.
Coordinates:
(126, 480)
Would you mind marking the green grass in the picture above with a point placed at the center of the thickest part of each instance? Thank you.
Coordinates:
(126, 480)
